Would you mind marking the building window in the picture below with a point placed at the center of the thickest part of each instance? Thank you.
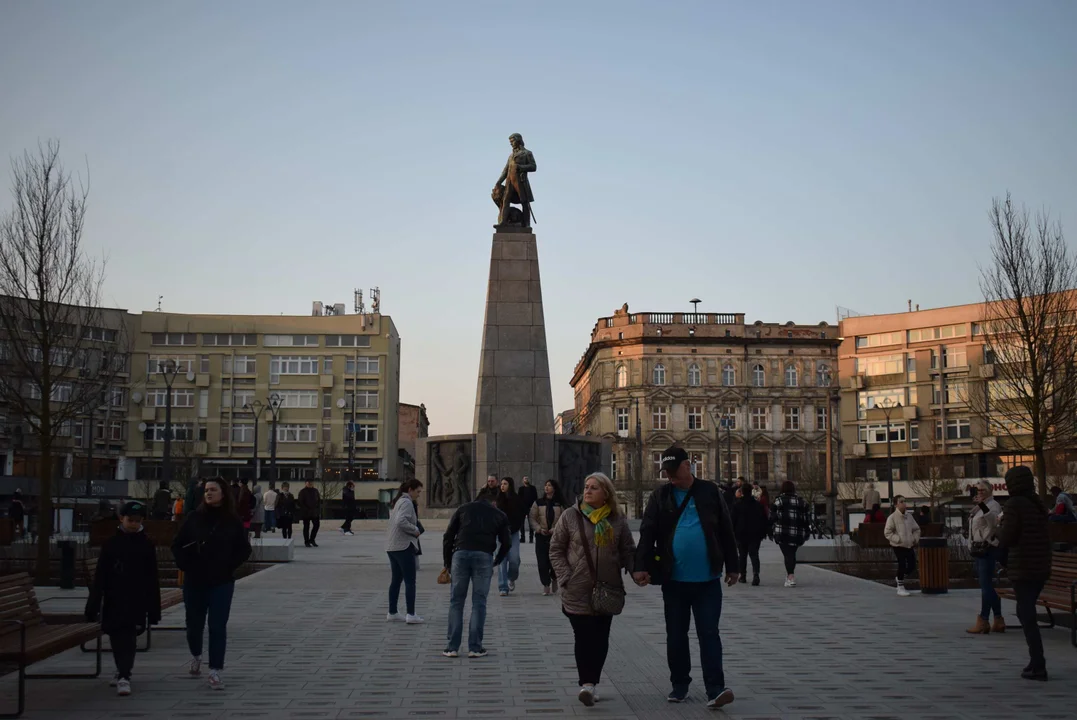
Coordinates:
(790, 376)
(242, 433)
(347, 341)
(822, 376)
(239, 365)
(298, 398)
(956, 429)
(699, 463)
(113, 432)
(760, 418)
(695, 417)
(366, 399)
(792, 418)
(729, 376)
(622, 420)
(730, 465)
(155, 432)
(761, 467)
(362, 366)
(872, 434)
(658, 418)
(290, 340)
(910, 367)
(157, 363)
(327, 365)
(622, 376)
(794, 463)
(173, 339)
(656, 459)
(293, 365)
(880, 365)
(659, 374)
(914, 436)
(822, 415)
(759, 376)
(366, 433)
(203, 364)
(954, 357)
(957, 391)
(238, 399)
(695, 377)
(225, 339)
(871, 399)
(158, 397)
(297, 433)
(729, 418)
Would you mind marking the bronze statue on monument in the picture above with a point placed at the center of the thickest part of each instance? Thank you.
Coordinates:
(516, 189)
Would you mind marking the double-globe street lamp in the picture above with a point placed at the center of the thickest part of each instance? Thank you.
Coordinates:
(169, 371)
(256, 409)
(722, 421)
(888, 406)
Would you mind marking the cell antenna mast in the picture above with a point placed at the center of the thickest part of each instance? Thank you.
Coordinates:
(375, 300)
(359, 307)
(159, 299)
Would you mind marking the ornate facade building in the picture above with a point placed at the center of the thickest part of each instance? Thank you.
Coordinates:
(744, 400)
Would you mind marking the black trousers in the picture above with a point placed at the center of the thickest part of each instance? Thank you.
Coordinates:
(906, 562)
(349, 515)
(789, 552)
(749, 549)
(285, 525)
(123, 651)
(1027, 592)
(592, 644)
(542, 554)
(310, 529)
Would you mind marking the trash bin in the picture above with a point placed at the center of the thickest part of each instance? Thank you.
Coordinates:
(934, 566)
(67, 564)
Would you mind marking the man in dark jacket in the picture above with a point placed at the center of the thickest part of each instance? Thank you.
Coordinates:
(475, 531)
(750, 525)
(528, 496)
(687, 524)
(162, 502)
(348, 500)
(126, 582)
(491, 490)
(310, 511)
(1024, 536)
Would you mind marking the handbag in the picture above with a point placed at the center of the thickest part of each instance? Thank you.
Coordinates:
(606, 599)
(979, 548)
(654, 563)
(444, 577)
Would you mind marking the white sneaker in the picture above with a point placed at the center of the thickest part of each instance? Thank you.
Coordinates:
(115, 679)
(587, 695)
(349, 533)
(594, 693)
(512, 585)
(450, 653)
(414, 620)
(123, 687)
(394, 617)
(195, 668)
(215, 681)
(901, 591)
(790, 583)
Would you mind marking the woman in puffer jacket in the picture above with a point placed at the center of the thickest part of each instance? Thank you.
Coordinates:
(594, 529)
(983, 540)
(902, 532)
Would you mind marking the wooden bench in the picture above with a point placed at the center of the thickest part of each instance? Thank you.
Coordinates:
(25, 638)
(1059, 592)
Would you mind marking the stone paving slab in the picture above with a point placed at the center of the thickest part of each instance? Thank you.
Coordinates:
(309, 640)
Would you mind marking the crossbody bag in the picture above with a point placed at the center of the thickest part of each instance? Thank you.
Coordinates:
(606, 599)
(654, 563)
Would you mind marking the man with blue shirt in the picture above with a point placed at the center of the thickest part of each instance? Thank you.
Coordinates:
(686, 540)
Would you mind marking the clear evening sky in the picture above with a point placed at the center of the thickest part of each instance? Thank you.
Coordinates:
(771, 158)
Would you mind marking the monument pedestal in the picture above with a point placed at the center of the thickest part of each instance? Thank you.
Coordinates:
(513, 402)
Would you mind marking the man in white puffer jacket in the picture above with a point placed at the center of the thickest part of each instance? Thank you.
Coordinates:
(903, 533)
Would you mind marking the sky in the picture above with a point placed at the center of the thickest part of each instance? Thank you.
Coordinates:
(773, 158)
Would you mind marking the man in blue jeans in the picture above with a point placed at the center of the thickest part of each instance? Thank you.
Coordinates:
(687, 528)
(475, 531)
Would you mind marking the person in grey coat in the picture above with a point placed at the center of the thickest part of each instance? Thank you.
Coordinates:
(402, 547)
(258, 519)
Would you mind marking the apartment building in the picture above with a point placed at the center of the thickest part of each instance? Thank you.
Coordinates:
(757, 398)
(931, 372)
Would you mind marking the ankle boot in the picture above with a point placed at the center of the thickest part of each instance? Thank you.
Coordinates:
(755, 581)
(980, 628)
(998, 625)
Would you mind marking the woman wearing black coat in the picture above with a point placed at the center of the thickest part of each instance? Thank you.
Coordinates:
(126, 582)
(209, 548)
(750, 526)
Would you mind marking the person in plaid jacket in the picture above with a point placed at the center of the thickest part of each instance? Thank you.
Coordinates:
(791, 522)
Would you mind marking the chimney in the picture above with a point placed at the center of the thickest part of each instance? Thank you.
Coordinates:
(910, 305)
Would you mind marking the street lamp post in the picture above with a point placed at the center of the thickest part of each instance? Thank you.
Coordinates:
(888, 407)
(256, 409)
(639, 463)
(728, 422)
(170, 371)
(832, 486)
(274, 409)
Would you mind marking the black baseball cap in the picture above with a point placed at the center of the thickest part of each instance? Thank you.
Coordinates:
(672, 459)
(133, 509)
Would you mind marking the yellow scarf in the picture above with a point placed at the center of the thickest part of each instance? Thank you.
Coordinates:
(597, 516)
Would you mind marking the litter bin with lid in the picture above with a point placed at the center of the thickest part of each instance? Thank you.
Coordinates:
(934, 557)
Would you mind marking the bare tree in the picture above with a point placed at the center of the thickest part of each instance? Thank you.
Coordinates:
(60, 352)
(811, 485)
(1028, 326)
(933, 476)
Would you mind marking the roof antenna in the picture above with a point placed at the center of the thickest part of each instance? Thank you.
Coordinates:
(159, 299)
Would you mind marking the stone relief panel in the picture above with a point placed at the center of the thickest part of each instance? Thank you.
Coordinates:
(449, 474)
(576, 459)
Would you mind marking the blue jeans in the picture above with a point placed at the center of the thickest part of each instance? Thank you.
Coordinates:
(271, 520)
(402, 563)
(477, 568)
(215, 601)
(985, 572)
(510, 566)
(682, 600)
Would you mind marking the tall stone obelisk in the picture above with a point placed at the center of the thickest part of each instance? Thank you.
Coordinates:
(513, 403)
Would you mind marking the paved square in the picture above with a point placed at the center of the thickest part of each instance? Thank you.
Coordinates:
(309, 640)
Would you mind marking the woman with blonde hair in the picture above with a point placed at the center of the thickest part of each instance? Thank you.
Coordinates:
(983, 544)
(590, 547)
